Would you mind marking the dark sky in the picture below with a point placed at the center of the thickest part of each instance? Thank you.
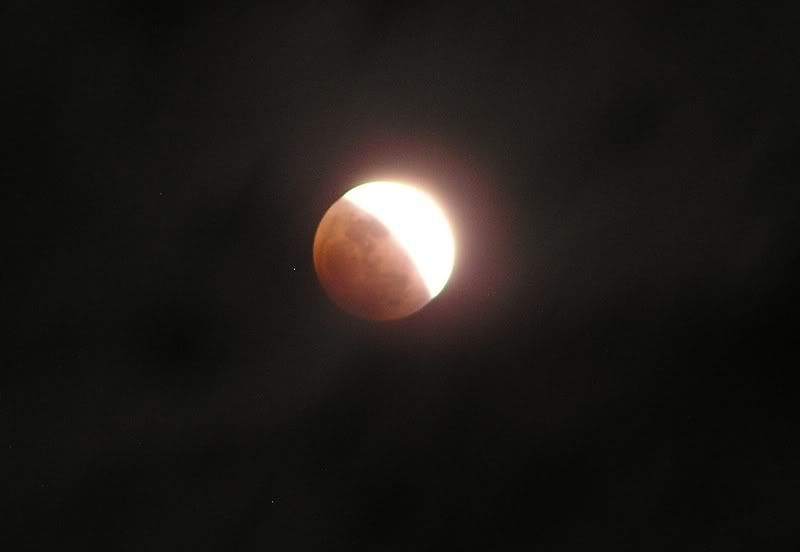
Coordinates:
(608, 368)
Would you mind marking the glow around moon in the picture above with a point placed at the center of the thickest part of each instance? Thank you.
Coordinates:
(384, 250)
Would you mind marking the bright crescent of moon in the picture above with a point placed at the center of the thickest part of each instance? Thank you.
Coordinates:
(417, 223)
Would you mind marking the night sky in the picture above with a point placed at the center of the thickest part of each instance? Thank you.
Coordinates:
(609, 366)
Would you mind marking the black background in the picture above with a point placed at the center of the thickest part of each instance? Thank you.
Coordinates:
(607, 368)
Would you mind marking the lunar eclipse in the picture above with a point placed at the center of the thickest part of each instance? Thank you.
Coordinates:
(383, 250)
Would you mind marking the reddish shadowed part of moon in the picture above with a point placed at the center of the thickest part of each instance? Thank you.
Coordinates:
(383, 250)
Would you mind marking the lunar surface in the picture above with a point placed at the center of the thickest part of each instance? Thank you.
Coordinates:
(383, 251)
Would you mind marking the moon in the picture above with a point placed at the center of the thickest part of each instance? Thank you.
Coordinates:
(383, 250)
